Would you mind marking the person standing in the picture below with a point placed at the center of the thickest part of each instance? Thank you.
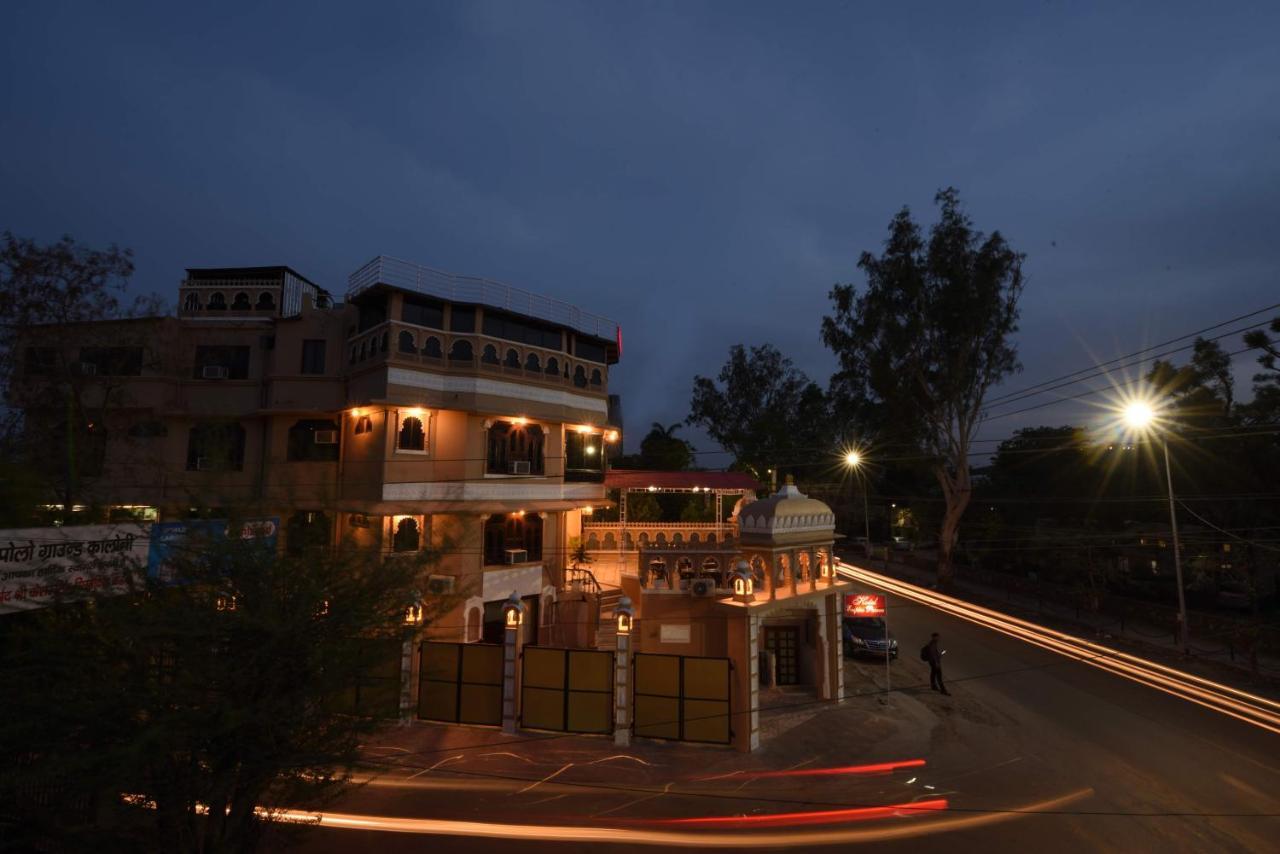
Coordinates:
(933, 655)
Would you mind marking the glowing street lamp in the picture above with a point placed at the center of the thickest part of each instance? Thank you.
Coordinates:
(1140, 416)
(853, 460)
(513, 611)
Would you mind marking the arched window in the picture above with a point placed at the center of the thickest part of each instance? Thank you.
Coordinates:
(512, 532)
(386, 342)
(266, 302)
(516, 448)
(407, 344)
(407, 536)
(596, 377)
(364, 349)
(217, 301)
(532, 363)
(490, 355)
(461, 351)
(431, 348)
(192, 302)
(513, 359)
(580, 377)
(553, 366)
(241, 302)
(412, 435)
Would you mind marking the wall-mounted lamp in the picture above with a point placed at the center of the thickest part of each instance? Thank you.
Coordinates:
(513, 612)
(611, 436)
(743, 581)
(625, 614)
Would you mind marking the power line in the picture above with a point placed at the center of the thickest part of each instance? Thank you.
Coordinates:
(1145, 350)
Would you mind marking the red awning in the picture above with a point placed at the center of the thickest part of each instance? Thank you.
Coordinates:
(723, 481)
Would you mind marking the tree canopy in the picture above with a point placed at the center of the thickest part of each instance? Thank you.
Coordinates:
(921, 344)
(763, 410)
(246, 687)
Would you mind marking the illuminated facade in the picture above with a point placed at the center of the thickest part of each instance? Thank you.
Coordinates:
(424, 409)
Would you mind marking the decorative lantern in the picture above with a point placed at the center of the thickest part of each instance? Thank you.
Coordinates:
(513, 611)
(625, 615)
(743, 580)
(413, 611)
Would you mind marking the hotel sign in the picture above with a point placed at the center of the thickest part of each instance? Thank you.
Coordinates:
(863, 605)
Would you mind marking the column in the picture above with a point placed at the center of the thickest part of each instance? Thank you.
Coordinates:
(835, 617)
(793, 566)
(622, 692)
(510, 681)
(408, 678)
(814, 569)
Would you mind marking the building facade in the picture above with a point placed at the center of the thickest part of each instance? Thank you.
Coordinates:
(423, 410)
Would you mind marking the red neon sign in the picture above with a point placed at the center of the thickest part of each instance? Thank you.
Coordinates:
(863, 605)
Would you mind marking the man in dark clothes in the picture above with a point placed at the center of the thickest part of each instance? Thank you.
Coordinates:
(934, 657)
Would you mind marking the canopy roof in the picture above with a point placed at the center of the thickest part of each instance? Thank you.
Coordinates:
(711, 481)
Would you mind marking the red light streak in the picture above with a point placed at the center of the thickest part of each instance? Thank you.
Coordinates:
(795, 819)
(878, 768)
(1250, 708)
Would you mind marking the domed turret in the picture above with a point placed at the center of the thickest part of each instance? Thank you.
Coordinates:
(787, 516)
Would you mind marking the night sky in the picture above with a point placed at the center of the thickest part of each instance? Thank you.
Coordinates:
(701, 172)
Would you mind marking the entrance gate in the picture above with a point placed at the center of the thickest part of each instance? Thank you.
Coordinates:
(461, 683)
(683, 697)
(568, 690)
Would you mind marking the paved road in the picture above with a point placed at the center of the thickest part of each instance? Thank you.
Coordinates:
(1148, 772)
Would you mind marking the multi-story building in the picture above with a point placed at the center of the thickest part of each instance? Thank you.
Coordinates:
(425, 409)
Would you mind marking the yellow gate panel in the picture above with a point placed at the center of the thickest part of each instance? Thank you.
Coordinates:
(590, 670)
(706, 720)
(658, 675)
(657, 717)
(569, 690)
(480, 704)
(544, 668)
(460, 683)
(706, 678)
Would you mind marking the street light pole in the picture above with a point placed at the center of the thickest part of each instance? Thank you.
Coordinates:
(1177, 551)
(853, 460)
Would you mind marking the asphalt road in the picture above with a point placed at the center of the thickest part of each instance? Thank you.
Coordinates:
(1143, 771)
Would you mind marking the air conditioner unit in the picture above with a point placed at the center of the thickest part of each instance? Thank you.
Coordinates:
(702, 588)
(520, 467)
(517, 556)
(214, 372)
(326, 437)
(87, 369)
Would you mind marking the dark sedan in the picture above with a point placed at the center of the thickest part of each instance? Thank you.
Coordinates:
(867, 636)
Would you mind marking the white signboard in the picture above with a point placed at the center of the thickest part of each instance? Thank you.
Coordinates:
(39, 564)
(672, 633)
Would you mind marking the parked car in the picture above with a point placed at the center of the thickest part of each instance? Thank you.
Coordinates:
(867, 636)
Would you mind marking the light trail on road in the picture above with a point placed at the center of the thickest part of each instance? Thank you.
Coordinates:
(688, 839)
(1242, 705)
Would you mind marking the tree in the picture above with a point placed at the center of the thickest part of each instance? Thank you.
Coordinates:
(921, 345)
(661, 450)
(245, 688)
(1265, 407)
(49, 298)
(762, 409)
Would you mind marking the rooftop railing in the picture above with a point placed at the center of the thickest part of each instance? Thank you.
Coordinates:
(475, 289)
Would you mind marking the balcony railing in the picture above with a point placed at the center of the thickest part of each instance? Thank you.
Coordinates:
(473, 353)
(478, 290)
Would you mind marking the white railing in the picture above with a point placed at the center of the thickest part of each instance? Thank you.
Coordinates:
(475, 289)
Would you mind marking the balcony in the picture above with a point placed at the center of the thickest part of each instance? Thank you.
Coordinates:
(476, 290)
(395, 343)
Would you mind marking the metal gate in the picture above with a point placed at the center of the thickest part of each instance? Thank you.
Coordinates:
(683, 697)
(460, 683)
(568, 690)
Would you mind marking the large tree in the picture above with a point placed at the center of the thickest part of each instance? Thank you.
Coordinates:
(922, 343)
(246, 687)
(763, 410)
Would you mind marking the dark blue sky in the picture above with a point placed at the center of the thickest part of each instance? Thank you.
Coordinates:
(702, 172)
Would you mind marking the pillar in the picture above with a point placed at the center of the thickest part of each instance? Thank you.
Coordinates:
(834, 651)
(814, 569)
(511, 644)
(793, 567)
(408, 678)
(622, 692)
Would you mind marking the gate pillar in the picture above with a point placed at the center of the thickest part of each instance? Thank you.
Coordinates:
(512, 618)
(621, 672)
